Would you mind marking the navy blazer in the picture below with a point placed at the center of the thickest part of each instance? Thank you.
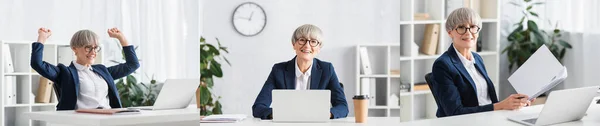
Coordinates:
(453, 88)
(283, 76)
(66, 79)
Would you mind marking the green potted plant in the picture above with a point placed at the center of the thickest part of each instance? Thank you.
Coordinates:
(209, 67)
(527, 38)
(133, 93)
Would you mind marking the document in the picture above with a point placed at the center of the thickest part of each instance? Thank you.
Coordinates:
(226, 118)
(540, 73)
(108, 111)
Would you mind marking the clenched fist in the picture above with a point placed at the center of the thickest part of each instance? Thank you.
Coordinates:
(43, 34)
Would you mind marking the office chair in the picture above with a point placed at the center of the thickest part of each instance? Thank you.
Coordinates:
(428, 80)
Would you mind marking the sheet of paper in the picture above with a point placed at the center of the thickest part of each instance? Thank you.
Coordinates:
(540, 73)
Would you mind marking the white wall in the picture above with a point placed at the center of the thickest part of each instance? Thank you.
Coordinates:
(345, 24)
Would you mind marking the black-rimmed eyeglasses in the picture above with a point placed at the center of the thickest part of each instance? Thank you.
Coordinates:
(303, 41)
(462, 29)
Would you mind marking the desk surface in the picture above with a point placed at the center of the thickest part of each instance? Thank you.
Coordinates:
(493, 118)
(145, 117)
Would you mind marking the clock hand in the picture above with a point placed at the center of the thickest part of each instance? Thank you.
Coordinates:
(250, 18)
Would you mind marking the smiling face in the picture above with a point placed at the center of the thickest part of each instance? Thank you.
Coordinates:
(464, 36)
(84, 44)
(306, 41)
(304, 48)
(86, 55)
(463, 26)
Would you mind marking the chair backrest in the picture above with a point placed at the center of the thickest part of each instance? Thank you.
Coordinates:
(342, 85)
(428, 79)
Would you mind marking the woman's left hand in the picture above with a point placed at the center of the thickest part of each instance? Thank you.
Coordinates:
(115, 33)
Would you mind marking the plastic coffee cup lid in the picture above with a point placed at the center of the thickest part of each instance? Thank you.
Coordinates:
(358, 97)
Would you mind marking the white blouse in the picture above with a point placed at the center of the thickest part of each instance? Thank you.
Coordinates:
(302, 79)
(93, 89)
(480, 83)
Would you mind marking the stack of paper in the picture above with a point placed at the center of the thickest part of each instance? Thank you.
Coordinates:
(540, 73)
(227, 118)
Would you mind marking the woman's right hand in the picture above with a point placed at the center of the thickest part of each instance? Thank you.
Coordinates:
(512, 102)
(43, 34)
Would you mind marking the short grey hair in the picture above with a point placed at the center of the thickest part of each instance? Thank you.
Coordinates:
(84, 38)
(462, 16)
(306, 31)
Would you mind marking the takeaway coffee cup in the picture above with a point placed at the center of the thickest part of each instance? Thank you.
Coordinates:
(360, 108)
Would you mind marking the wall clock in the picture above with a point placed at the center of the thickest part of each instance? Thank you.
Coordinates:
(249, 19)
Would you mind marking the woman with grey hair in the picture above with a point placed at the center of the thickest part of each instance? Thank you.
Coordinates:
(303, 72)
(460, 83)
(84, 85)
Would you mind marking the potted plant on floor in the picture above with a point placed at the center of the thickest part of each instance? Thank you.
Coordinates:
(209, 67)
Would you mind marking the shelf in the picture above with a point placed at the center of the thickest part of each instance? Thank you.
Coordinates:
(379, 44)
(428, 21)
(44, 104)
(405, 58)
(487, 53)
(17, 105)
(17, 74)
(378, 107)
(376, 76)
(422, 92)
(405, 22)
(423, 56)
(489, 20)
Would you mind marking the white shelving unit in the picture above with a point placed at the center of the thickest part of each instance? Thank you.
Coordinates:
(27, 80)
(383, 58)
(417, 105)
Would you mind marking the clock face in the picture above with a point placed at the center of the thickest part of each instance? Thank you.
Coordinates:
(249, 19)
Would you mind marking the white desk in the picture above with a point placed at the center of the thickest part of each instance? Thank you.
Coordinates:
(178, 117)
(493, 118)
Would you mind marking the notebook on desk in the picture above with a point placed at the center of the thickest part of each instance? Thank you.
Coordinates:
(108, 111)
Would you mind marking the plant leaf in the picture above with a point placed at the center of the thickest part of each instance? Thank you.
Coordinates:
(562, 54)
(225, 58)
(216, 69)
(527, 1)
(513, 3)
(532, 25)
(204, 95)
(202, 40)
(217, 108)
(529, 7)
(537, 3)
(209, 82)
(533, 13)
(564, 44)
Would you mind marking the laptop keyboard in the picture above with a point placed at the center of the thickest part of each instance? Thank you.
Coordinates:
(532, 121)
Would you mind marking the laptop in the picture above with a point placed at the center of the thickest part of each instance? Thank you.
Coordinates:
(301, 105)
(562, 106)
(175, 94)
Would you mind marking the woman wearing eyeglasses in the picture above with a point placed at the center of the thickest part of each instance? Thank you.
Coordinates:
(303, 72)
(461, 84)
(82, 84)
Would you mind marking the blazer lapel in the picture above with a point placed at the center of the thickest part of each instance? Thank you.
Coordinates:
(75, 76)
(315, 76)
(460, 67)
(491, 88)
(290, 74)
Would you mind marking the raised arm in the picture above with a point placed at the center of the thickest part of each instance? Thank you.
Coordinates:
(131, 60)
(44, 68)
